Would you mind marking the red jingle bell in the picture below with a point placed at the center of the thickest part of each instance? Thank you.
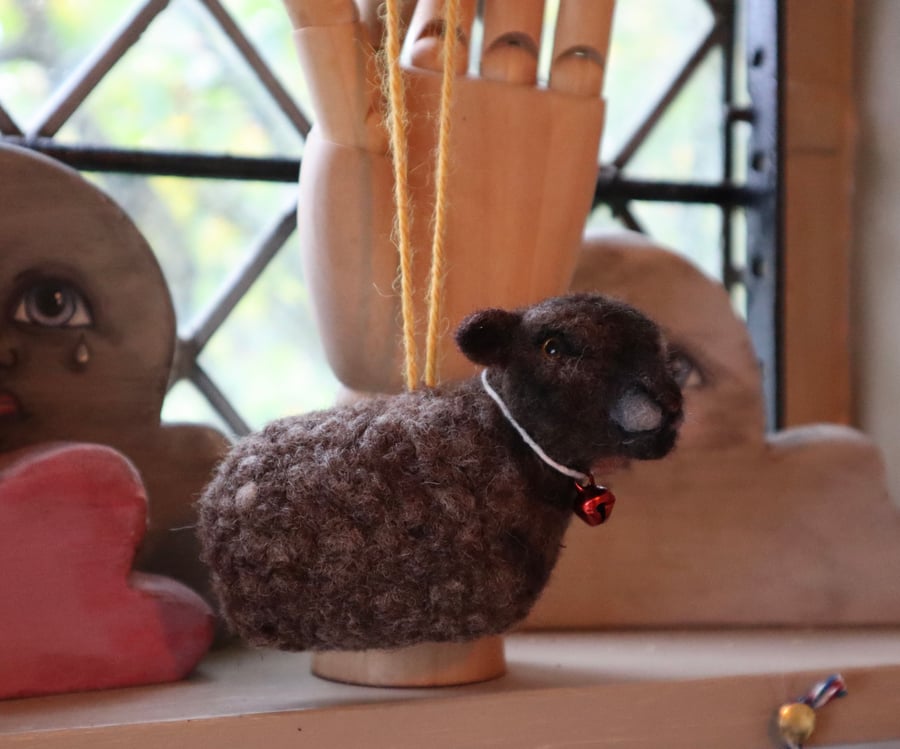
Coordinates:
(594, 504)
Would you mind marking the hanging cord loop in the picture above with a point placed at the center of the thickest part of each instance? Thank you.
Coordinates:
(398, 123)
(441, 171)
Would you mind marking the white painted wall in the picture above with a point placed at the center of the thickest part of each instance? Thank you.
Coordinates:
(876, 268)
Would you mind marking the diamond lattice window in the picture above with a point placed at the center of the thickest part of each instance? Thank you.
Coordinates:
(192, 115)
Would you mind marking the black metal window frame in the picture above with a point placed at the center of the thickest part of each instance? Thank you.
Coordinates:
(757, 33)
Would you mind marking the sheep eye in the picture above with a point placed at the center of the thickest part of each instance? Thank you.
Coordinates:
(551, 348)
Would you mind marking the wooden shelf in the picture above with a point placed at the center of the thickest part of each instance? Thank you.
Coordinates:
(646, 689)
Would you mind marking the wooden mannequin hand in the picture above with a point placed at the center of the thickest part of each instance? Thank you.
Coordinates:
(523, 163)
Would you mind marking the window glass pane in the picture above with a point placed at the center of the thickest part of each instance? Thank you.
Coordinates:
(694, 231)
(41, 43)
(267, 357)
(266, 25)
(601, 219)
(741, 155)
(184, 403)
(200, 230)
(739, 300)
(184, 86)
(739, 259)
(686, 143)
(651, 40)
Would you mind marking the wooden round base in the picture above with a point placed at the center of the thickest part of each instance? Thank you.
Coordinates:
(430, 664)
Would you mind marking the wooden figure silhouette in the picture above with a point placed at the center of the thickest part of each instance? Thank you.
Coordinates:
(736, 527)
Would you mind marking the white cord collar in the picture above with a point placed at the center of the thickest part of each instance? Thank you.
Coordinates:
(582, 478)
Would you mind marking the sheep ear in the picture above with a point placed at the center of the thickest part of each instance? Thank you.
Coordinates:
(485, 337)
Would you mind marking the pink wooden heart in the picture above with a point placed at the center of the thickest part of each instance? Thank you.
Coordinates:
(73, 616)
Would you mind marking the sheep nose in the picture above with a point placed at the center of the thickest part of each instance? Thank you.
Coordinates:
(637, 412)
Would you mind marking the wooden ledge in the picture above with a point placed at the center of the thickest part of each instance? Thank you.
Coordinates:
(673, 689)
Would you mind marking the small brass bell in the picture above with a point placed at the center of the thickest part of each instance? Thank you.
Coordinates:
(796, 722)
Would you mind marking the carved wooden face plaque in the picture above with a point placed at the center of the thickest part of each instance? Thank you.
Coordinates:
(87, 337)
(87, 327)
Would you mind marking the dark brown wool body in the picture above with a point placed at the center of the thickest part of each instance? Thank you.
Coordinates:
(424, 516)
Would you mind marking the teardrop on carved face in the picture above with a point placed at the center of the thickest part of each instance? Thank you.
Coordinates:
(82, 354)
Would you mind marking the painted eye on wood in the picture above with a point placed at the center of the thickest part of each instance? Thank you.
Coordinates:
(53, 303)
(684, 371)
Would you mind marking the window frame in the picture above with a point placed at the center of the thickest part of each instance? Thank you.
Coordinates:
(819, 164)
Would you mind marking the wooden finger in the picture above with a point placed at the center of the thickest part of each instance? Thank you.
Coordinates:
(512, 37)
(338, 62)
(424, 42)
(581, 45)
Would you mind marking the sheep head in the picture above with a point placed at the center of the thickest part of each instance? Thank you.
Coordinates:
(588, 377)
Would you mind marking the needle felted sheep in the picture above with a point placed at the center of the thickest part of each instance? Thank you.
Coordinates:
(426, 516)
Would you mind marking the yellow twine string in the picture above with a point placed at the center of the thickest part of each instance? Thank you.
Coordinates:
(399, 150)
(436, 284)
(398, 122)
